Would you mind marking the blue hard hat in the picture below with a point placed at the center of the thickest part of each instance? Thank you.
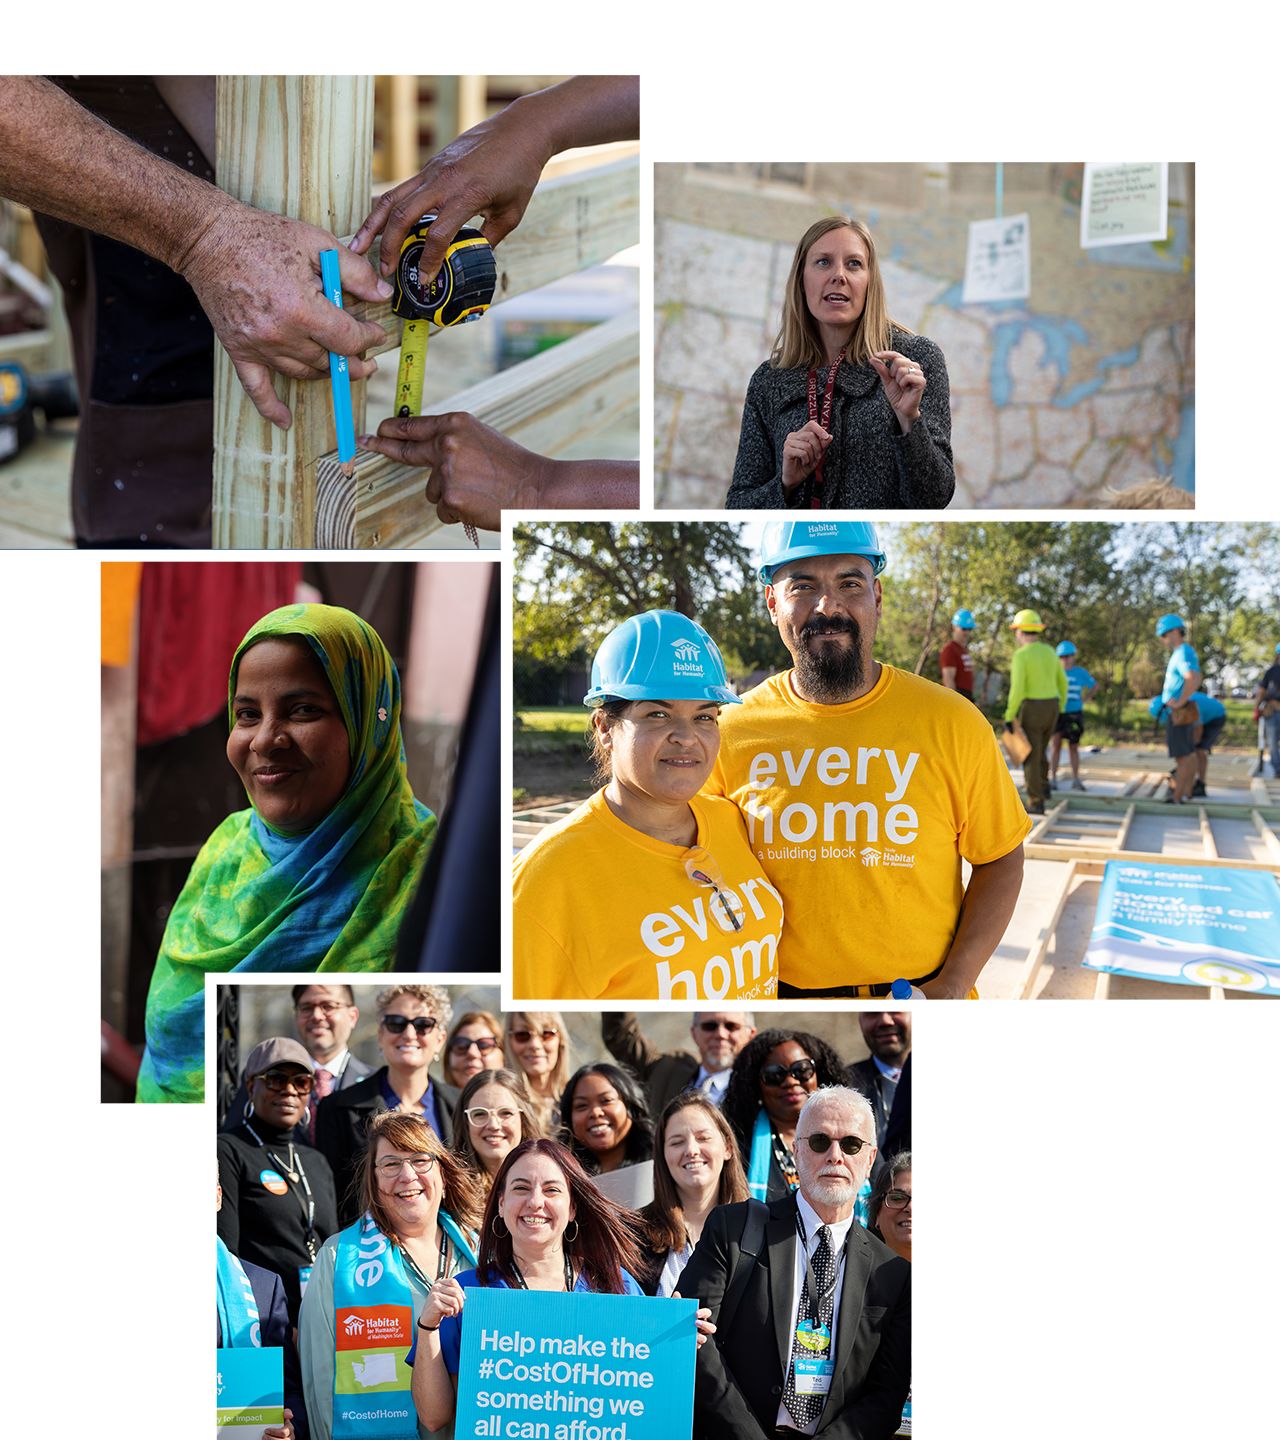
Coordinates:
(787, 540)
(660, 655)
(1065, 647)
(1278, 649)
(1171, 621)
(964, 620)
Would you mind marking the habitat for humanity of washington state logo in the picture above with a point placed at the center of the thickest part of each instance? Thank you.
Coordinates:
(373, 1325)
(685, 657)
(870, 855)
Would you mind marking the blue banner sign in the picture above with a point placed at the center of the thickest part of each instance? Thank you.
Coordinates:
(250, 1390)
(1189, 925)
(541, 1366)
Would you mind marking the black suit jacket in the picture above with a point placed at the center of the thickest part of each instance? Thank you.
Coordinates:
(342, 1122)
(273, 1319)
(740, 1376)
(663, 1076)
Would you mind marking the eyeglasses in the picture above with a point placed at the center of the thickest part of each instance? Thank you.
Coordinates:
(709, 1027)
(801, 1070)
(522, 1037)
(398, 1024)
(479, 1115)
(461, 1046)
(278, 1081)
(897, 1199)
(419, 1164)
(327, 1008)
(850, 1144)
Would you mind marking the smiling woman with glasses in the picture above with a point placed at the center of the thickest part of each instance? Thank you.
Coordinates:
(474, 1044)
(494, 1115)
(425, 1205)
(412, 1021)
(774, 1075)
(278, 1200)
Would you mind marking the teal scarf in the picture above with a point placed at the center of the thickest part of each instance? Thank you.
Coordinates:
(373, 1329)
(761, 1157)
(328, 900)
(237, 1307)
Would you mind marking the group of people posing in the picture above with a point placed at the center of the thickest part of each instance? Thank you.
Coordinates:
(644, 1174)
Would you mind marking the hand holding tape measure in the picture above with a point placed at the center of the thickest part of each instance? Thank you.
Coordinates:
(460, 291)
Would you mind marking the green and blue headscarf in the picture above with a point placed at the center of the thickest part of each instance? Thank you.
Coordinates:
(329, 900)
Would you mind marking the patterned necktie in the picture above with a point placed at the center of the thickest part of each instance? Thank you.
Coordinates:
(805, 1409)
(323, 1087)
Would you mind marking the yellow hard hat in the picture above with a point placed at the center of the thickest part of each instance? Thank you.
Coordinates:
(1027, 620)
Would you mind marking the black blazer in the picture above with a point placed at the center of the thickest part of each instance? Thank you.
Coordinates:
(342, 1122)
(740, 1376)
(663, 1076)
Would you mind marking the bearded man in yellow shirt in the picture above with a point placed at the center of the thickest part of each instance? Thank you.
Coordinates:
(863, 788)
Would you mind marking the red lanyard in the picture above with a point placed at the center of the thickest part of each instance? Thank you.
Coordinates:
(824, 420)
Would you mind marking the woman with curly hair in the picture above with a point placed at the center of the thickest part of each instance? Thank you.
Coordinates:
(774, 1075)
(606, 1118)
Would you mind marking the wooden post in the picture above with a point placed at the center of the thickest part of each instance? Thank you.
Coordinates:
(461, 102)
(297, 145)
(403, 115)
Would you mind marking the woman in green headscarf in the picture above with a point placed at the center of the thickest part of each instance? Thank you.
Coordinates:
(318, 873)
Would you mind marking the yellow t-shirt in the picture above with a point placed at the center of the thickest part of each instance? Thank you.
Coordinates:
(860, 814)
(601, 910)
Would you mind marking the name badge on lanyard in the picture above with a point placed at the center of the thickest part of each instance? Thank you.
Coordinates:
(814, 1361)
(823, 418)
(304, 1275)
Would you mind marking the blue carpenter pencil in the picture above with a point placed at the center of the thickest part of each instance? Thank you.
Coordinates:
(343, 420)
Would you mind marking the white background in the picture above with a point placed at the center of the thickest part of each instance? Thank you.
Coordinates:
(1100, 1199)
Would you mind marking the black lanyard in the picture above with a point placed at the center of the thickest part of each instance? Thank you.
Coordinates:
(818, 1298)
(441, 1263)
(521, 1284)
(310, 1239)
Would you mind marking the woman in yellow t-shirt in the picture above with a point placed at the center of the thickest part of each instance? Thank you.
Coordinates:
(649, 891)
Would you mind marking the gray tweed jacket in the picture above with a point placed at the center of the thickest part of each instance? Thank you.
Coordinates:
(870, 463)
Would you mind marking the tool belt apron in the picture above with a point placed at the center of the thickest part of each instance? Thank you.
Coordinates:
(142, 474)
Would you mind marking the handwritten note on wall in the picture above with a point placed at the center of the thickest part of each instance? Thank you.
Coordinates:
(1124, 203)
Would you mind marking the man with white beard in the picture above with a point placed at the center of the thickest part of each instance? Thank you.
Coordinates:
(813, 1313)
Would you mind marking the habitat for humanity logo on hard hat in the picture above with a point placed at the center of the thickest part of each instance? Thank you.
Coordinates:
(685, 658)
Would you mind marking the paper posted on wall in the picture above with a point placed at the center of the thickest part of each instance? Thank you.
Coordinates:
(1124, 203)
(998, 265)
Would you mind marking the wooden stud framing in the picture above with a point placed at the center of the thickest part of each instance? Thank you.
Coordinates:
(296, 145)
(280, 140)
(547, 404)
(572, 223)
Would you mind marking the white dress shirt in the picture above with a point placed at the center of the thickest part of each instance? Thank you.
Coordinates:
(812, 1224)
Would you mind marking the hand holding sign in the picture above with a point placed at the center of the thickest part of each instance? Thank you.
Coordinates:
(904, 385)
(446, 1298)
(706, 1326)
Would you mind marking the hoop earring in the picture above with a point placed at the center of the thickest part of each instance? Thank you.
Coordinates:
(248, 1110)
(495, 1222)
(577, 1230)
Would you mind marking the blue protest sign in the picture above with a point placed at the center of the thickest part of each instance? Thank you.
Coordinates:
(250, 1389)
(538, 1366)
(1188, 925)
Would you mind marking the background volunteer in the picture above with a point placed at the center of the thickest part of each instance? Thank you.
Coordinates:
(1037, 692)
(1070, 722)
